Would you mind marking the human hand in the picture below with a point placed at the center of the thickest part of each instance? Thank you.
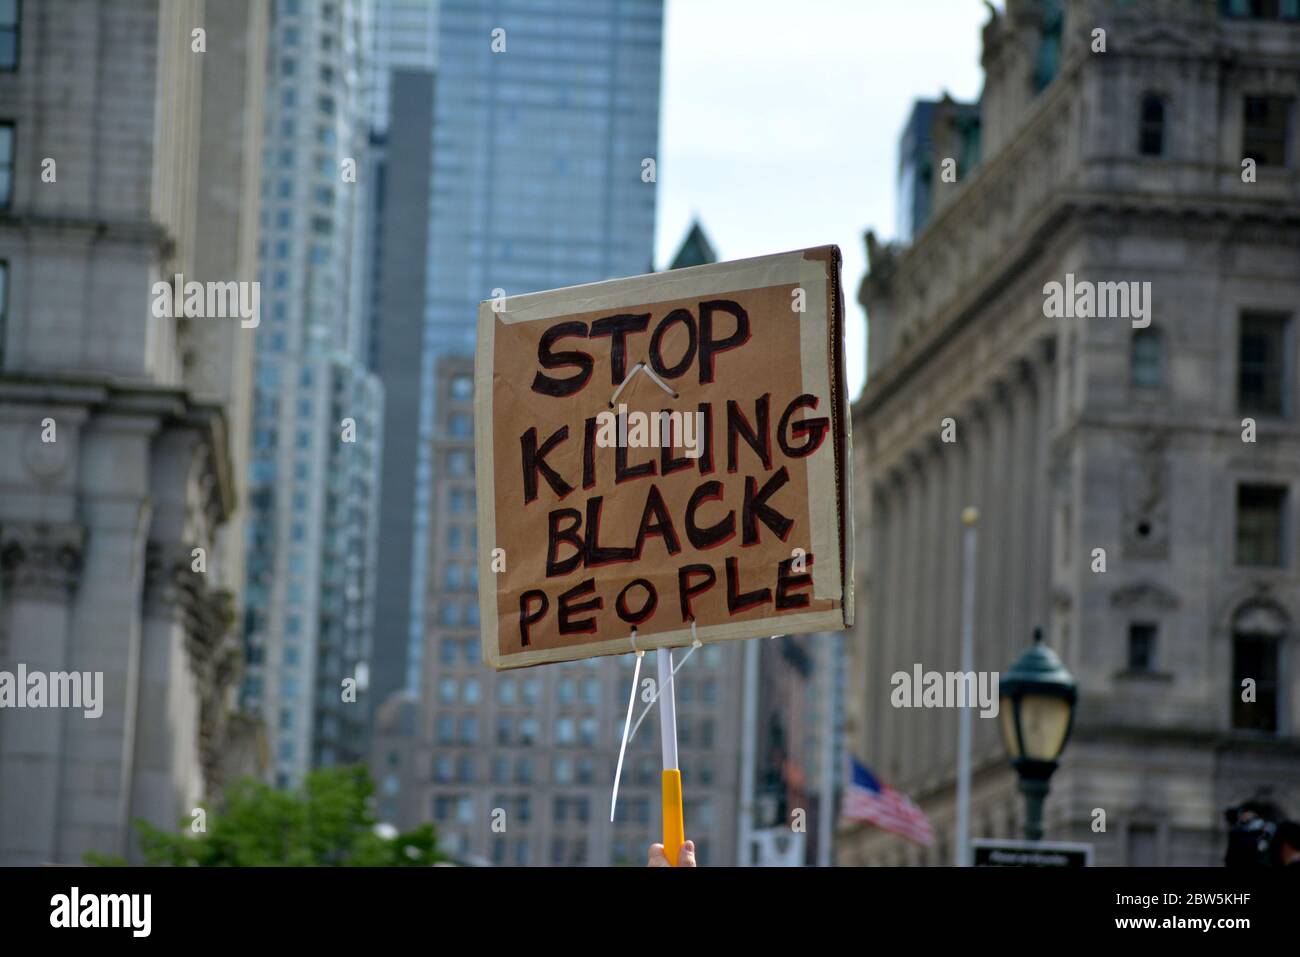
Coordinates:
(685, 858)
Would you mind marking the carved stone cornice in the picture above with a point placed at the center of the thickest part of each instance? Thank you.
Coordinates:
(41, 560)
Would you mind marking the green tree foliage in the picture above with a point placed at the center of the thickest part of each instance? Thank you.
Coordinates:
(327, 824)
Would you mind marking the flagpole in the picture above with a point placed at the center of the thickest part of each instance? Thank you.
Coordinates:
(672, 776)
(969, 518)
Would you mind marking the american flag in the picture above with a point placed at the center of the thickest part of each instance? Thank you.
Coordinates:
(868, 800)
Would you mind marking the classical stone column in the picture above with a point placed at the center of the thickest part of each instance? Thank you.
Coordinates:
(113, 489)
(930, 640)
(884, 551)
(1019, 572)
(1045, 368)
(1003, 566)
(896, 616)
(988, 582)
(957, 457)
(909, 649)
(183, 630)
(40, 568)
(166, 779)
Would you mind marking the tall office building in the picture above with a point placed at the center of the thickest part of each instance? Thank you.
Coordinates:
(127, 157)
(404, 36)
(544, 119)
(545, 129)
(399, 247)
(1170, 159)
(318, 409)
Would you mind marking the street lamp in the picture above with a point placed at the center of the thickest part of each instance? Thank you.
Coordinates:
(1037, 711)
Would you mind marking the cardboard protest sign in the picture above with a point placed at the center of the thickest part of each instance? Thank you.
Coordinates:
(661, 449)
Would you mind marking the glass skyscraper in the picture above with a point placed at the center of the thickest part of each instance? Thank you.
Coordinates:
(545, 140)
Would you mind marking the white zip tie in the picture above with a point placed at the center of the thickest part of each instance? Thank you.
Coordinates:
(618, 771)
(662, 384)
(695, 643)
(642, 367)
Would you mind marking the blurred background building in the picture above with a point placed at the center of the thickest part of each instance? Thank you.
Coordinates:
(1083, 434)
(128, 159)
(314, 492)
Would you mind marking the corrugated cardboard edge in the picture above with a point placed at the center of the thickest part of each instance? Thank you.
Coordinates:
(485, 493)
(755, 273)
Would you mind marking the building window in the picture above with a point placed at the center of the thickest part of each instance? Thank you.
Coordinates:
(9, 17)
(4, 308)
(524, 771)
(469, 730)
(447, 691)
(442, 768)
(1254, 667)
(505, 691)
(1142, 845)
(1261, 520)
(528, 731)
(1262, 368)
(462, 388)
(565, 731)
(1147, 355)
(1142, 646)
(6, 163)
(1266, 122)
(1049, 45)
(446, 729)
(1261, 9)
(1151, 131)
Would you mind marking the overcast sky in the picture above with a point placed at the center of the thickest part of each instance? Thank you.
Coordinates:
(781, 119)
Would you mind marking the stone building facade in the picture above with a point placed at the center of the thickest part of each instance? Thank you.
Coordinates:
(131, 157)
(1078, 434)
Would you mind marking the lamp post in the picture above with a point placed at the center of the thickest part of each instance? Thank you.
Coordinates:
(1038, 696)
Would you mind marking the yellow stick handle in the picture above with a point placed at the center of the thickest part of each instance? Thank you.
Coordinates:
(674, 829)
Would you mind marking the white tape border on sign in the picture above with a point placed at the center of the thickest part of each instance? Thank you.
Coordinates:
(815, 356)
(779, 269)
